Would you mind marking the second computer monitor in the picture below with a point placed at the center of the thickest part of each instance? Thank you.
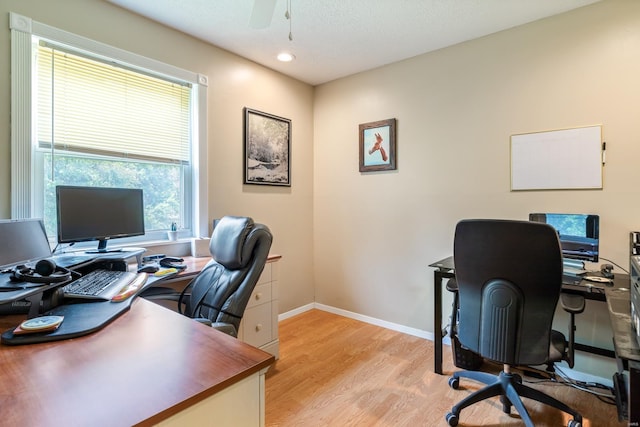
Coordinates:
(579, 233)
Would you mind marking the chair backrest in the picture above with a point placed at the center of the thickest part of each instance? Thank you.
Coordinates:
(509, 276)
(239, 250)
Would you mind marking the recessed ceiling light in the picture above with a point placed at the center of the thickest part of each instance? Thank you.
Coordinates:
(286, 57)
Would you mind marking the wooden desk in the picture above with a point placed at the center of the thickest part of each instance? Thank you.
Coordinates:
(149, 366)
(195, 266)
(259, 325)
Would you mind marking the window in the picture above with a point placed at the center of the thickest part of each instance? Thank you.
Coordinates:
(99, 116)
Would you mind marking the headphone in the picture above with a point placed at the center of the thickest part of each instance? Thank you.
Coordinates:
(45, 271)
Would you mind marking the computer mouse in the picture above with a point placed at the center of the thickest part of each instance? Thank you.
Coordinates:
(149, 268)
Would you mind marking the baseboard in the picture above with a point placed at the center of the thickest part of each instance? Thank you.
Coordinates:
(576, 375)
(356, 316)
(296, 311)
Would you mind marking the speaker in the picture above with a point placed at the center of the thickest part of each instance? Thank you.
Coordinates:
(45, 271)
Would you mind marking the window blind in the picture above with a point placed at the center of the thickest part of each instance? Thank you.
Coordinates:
(94, 107)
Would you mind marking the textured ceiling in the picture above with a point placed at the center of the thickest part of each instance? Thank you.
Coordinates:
(336, 38)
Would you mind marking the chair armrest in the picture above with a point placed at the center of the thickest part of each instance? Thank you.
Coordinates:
(572, 303)
(227, 328)
(160, 293)
(203, 320)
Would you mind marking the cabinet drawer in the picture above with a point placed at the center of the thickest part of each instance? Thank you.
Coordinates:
(260, 295)
(256, 325)
(265, 276)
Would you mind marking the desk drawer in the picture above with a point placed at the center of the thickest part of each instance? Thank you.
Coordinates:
(256, 325)
(265, 276)
(261, 294)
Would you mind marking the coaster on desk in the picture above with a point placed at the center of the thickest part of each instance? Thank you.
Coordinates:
(39, 324)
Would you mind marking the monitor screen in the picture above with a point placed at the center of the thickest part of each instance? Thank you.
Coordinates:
(579, 233)
(22, 241)
(95, 213)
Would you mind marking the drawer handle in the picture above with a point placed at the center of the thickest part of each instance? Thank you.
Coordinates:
(258, 327)
(258, 295)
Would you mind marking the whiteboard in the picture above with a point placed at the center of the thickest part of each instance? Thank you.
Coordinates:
(557, 160)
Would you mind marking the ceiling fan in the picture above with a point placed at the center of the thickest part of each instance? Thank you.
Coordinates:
(263, 12)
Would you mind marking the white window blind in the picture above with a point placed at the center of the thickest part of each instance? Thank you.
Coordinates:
(95, 107)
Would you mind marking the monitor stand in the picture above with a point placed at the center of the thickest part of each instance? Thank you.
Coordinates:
(102, 248)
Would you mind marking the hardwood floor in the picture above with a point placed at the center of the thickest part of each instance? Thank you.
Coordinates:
(336, 371)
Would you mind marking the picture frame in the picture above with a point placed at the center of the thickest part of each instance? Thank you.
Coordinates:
(267, 148)
(378, 145)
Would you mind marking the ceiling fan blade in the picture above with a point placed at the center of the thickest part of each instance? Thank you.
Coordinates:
(262, 13)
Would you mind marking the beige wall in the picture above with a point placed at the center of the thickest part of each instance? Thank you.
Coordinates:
(365, 240)
(456, 108)
(233, 84)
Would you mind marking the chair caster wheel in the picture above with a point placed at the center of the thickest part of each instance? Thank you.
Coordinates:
(454, 383)
(574, 423)
(452, 419)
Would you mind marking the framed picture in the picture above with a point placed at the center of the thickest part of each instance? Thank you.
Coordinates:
(267, 148)
(378, 146)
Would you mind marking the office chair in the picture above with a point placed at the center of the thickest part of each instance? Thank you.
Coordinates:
(509, 277)
(219, 294)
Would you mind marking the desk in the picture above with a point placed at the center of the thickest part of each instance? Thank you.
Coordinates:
(627, 355)
(149, 366)
(259, 325)
(444, 269)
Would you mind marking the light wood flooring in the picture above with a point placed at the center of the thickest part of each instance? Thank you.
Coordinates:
(336, 371)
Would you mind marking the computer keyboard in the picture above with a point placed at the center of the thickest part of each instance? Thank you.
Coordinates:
(103, 284)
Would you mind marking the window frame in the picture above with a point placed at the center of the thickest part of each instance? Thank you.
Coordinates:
(25, 183)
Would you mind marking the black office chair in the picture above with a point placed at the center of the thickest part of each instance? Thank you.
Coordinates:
(219, 294)
(509, 277)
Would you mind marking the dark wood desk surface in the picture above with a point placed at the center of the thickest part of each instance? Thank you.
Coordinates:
(146, 366)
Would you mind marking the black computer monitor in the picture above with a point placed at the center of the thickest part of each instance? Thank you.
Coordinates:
(97, 213)
(22, 241)
(579, 233)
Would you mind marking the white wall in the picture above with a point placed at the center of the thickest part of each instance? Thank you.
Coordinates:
(375, 233)
(234, 83)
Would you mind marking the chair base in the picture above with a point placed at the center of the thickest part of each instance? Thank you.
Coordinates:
(510, 389)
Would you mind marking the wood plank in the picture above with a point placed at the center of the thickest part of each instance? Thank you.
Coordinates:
(338, 371)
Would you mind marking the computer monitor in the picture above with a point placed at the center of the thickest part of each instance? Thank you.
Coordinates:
(97, 213)
(22, 241)
(579, 233)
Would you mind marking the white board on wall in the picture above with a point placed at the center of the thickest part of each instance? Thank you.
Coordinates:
(557, 160)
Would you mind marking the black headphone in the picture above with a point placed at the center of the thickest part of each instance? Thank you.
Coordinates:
(45, 271)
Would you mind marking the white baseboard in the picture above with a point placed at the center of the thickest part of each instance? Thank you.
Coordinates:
(295, 311)
(576, 375)
(351, 315)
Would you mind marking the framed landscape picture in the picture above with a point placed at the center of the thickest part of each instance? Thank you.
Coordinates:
(267, 148)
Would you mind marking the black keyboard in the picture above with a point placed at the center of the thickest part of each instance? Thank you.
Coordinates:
(99, 284)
